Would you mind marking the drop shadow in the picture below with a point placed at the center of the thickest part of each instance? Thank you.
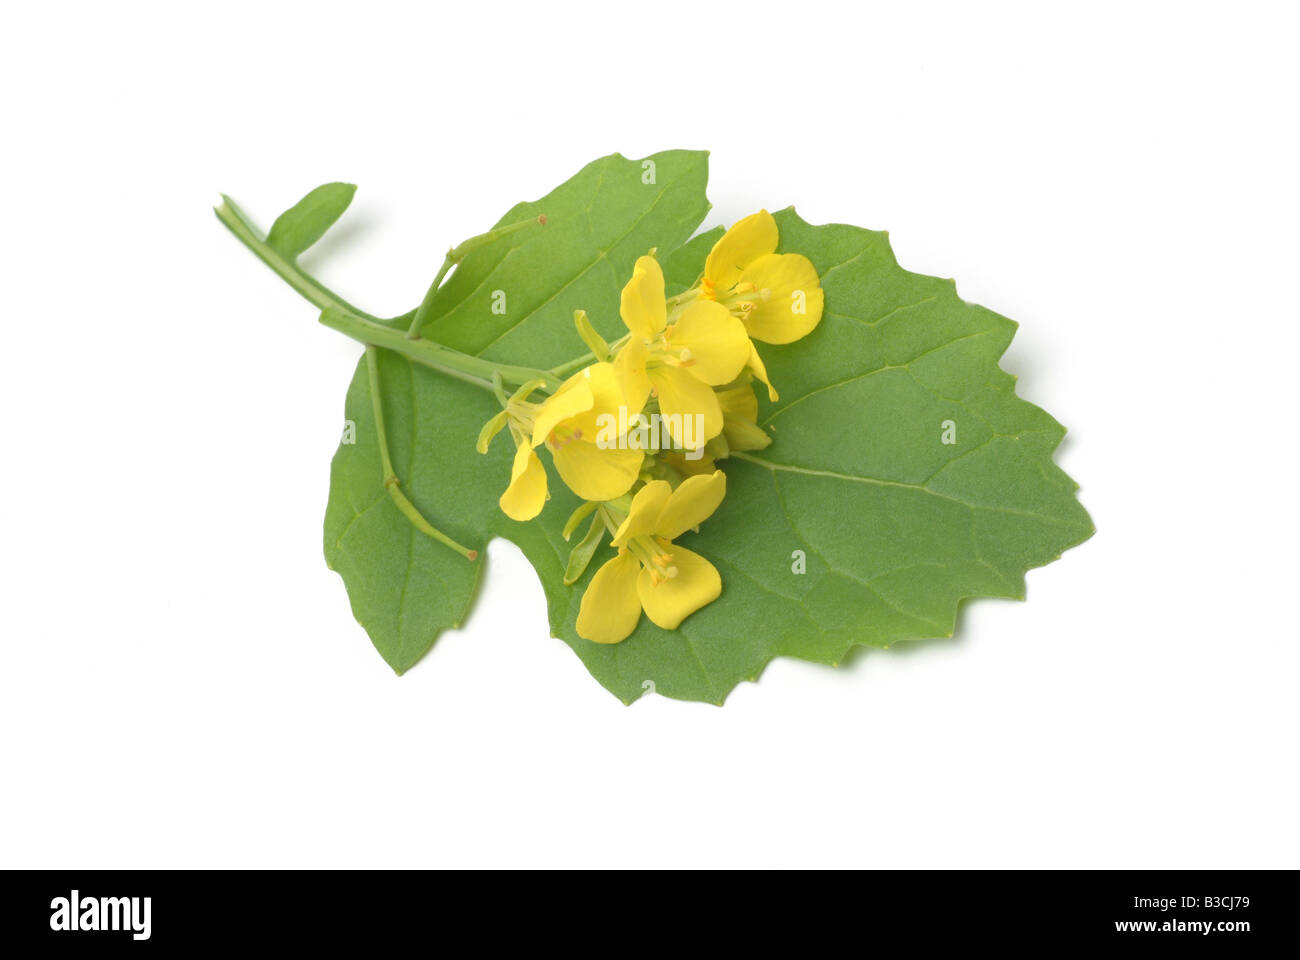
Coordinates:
(336, 240)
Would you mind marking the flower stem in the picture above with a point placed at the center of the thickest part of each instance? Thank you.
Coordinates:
(612, 521)
(577, 363)
(391, 483)
(417, 321)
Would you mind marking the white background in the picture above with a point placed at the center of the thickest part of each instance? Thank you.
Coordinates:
(181, 680)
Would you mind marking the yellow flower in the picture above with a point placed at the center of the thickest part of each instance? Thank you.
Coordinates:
(705, 346)
(526, 495)
(652, 573)
(740, 432)
(569, 423)
(778, 296)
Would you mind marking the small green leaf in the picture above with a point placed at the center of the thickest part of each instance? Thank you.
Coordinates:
(307, 220)
(580, 556)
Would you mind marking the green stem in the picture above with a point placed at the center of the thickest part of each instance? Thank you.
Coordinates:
(612, 523)
(454, 256)
(422, 312)
(574, 365)
(463, 366)
(577, 363)
(391, 483)
(340, 315)
(247, 234)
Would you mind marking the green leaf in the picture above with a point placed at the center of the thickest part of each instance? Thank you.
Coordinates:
(859, 525)
(307, 220)
(516, 297)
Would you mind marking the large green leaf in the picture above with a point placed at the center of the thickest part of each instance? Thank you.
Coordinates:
(888, 526)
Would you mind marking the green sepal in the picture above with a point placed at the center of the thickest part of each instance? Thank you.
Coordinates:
(594, 341)
(580, 556)
(577, 517)
(526, 389)
(490, 430)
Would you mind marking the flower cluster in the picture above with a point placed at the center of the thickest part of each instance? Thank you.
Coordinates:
(638, 431)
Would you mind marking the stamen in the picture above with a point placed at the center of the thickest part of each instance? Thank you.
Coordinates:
(561, 436)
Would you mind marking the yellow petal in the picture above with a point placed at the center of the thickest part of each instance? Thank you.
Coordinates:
(594, 473)
(683, 398)
(642, 306)
(794, 306)
(717, 342)
(691, 504)
(572, 398)
(672, 600)
(610, 607)
(756, 367)
(607, 400)
(643, 515)
(629, 368)
(526, 494)
(745, 242)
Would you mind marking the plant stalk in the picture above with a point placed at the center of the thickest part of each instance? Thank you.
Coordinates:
(463, 366)
(391, 482)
